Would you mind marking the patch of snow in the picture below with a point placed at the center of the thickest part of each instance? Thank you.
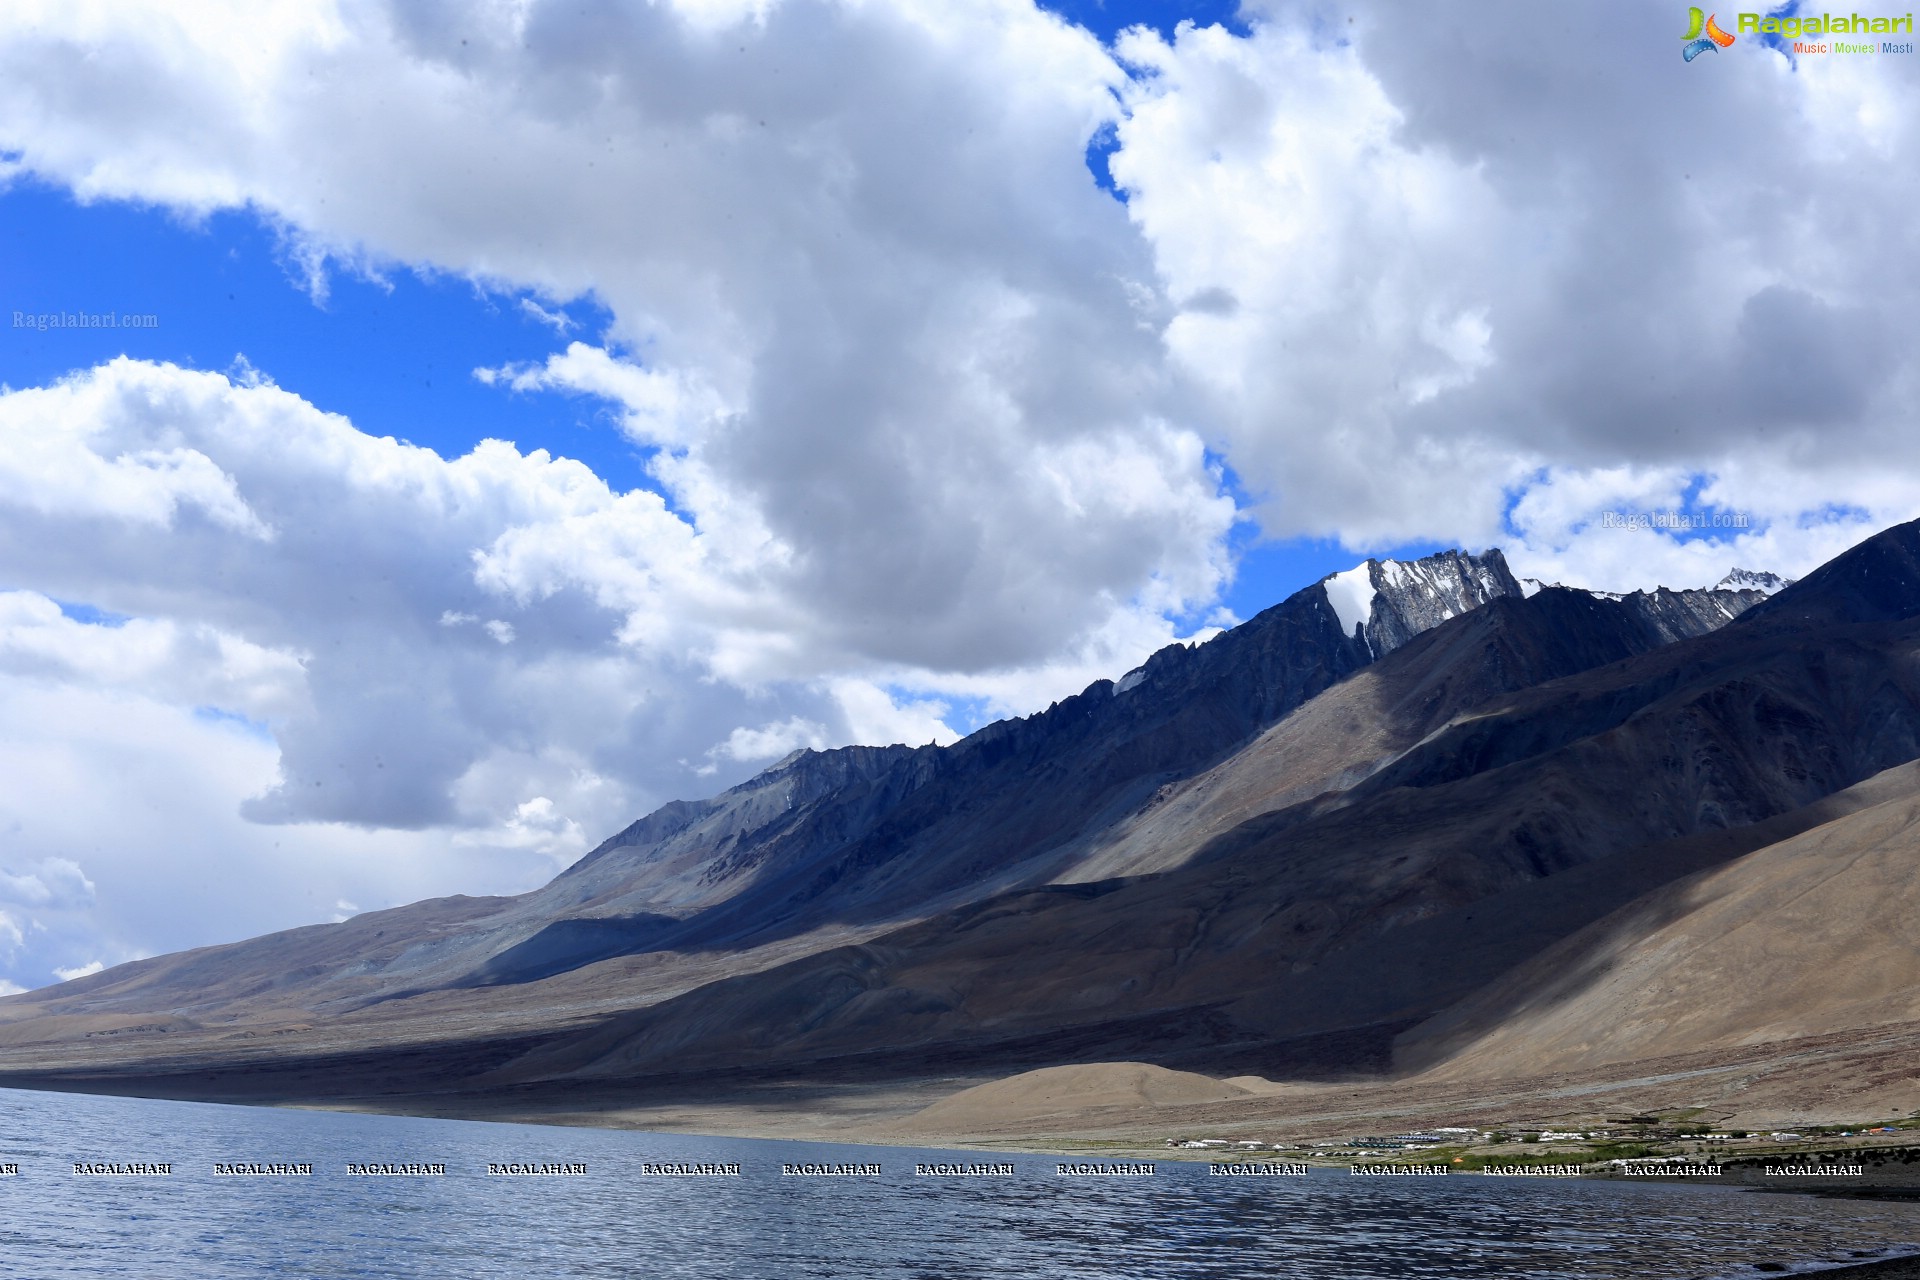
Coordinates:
(1534, 586)
(1351, 595)
(1131, 680)
(1752, 580)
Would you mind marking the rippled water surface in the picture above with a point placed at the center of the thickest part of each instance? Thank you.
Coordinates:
(615, 1222)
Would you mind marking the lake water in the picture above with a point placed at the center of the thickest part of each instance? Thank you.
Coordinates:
(620, 1219)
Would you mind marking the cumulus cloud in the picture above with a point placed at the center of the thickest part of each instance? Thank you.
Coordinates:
(660, 406)
(1392, 272)
(86, 468)
(537, 825)
(124, 836)
(1437, 285)
(197, 664)
(767, 742)
(912, 383)
(53, 882)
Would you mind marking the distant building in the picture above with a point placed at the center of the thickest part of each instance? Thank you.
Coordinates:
(1403, 1140)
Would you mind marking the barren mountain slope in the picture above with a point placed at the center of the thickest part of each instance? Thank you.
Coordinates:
(1812, 935)
(827, 848)
(1354, 913)
(1369, 720)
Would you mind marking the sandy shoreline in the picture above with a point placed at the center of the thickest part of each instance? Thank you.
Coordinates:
(1886, 1269)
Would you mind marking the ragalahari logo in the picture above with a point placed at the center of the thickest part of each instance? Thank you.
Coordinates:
(1703, 33)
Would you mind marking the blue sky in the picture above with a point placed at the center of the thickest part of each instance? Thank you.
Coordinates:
(396, 355)
(1108, 18)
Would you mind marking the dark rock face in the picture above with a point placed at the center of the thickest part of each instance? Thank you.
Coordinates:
(1418, 595)
(799, 781)
(1680, 615)
(684, 855)
(1877, 581)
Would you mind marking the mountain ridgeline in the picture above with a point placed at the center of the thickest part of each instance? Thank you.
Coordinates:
(1328, 837)
(888, 833)
(860, 837)
(864, 833)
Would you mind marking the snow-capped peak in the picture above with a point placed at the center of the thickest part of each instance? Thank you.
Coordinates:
(1752, 580)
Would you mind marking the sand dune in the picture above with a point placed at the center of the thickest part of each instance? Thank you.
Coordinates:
(1059, 1091)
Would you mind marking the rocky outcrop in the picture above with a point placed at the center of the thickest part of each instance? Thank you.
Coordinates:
(1679, 615)
(1388, 602)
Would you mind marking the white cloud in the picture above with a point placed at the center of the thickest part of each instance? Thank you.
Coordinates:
(877, 716)
(1345, 276)
(86, 970)
(558, 321)
(53, 882)
(67, 467)
(769, 741)
(537, 825)
(1396, 284)
(196, 664)
(124, 836)
(662, 406)
(1427, 276)
(853, 357)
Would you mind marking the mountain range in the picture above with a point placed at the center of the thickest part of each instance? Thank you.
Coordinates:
(1422, 819)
